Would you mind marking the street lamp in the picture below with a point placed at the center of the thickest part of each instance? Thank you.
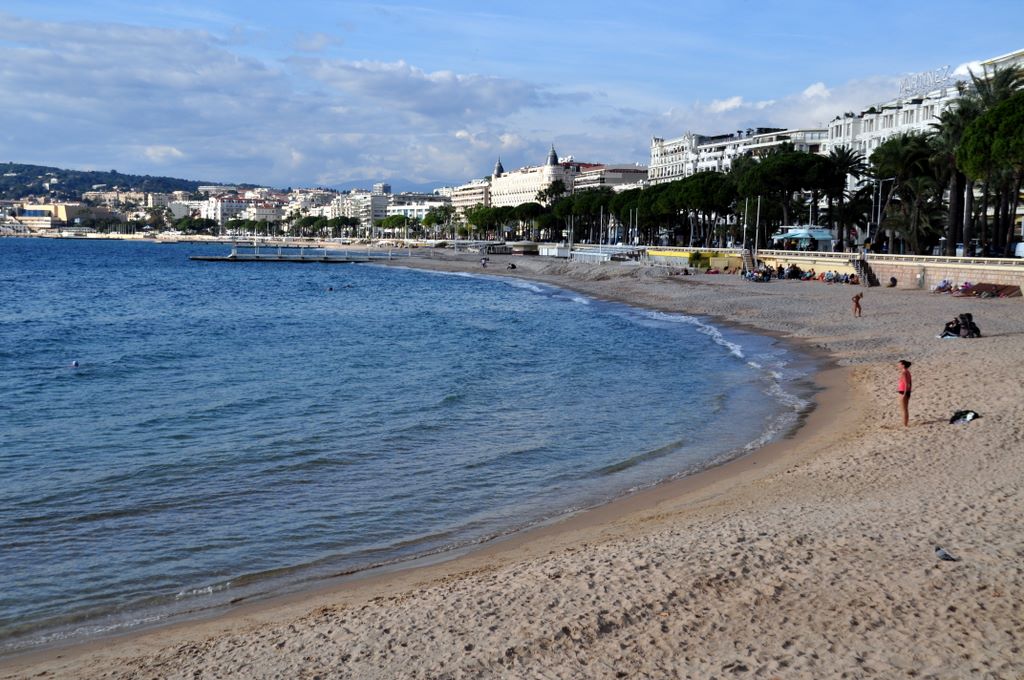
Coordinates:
(878, 214)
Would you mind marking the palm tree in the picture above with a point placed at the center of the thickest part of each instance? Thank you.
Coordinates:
(845, 163)
(945, 140)
(921, 196)
(903, 157)
(986, 91)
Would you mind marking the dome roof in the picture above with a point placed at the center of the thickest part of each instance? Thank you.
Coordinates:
(498, 170)
(552, 156)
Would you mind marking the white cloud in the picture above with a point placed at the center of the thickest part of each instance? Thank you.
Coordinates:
(814, 106)
(162, 153)
(511, 140)
(965, 70)
(475, 140)
(434, 96)
(816, 90)
(723, 105)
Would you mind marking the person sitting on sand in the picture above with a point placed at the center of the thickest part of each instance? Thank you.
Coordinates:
(511, 265)
(856, 304)
(892, 282)
(969, 329)
(951, 329)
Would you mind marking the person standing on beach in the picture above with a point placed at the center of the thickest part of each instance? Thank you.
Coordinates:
(904, 390)
(856, 303)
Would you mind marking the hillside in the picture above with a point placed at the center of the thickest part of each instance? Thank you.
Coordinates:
(18, 180)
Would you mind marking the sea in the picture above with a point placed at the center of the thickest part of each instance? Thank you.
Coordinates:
(177, 436)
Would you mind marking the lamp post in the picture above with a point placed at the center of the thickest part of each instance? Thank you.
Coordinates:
(878, 214)
(746, 202)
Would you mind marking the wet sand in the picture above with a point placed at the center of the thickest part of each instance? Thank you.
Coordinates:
(813, 557)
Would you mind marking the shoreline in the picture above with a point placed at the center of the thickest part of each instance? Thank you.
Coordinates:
(701, 502)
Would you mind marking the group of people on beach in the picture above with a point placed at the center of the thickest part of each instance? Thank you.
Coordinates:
(792, 271)
(961, 326)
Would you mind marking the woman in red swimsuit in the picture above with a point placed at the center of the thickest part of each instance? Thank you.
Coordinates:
(904, 390)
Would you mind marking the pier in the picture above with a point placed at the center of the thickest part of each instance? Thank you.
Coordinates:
(288, 253)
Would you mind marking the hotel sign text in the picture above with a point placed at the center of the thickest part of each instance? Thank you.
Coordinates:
(923, 82)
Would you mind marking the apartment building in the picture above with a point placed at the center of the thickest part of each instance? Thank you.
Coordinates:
(363, 205)
(262, 212)
(115, 197)
(616, 177)
(471, 194)
(223, 208)
(415, 206)
(157, 200)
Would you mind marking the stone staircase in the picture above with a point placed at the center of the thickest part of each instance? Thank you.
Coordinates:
(864, 273)
(748, 261)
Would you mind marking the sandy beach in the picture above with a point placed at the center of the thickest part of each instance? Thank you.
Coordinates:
(811, 558)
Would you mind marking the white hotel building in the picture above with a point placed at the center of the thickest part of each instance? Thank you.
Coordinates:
(674, 159)
(923, 97)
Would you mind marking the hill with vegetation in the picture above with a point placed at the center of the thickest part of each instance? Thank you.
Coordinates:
(19, 180)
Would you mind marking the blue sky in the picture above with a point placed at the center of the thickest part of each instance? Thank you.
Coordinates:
(345, 93)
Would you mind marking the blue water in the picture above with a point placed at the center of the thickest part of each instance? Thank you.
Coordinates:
(232, 430)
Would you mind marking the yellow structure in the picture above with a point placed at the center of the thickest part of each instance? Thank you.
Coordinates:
(51, 215)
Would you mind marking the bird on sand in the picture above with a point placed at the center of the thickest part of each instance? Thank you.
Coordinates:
(945, 555)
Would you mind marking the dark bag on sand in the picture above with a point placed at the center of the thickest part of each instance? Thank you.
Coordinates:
(963, 417)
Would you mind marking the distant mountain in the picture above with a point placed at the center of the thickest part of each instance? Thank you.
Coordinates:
(18, 180)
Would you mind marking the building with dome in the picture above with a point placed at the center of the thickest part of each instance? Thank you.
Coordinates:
(522, 186)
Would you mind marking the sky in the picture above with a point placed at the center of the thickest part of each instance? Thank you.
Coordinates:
(342, 94)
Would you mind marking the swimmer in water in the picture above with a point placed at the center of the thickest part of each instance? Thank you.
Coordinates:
(74, 364)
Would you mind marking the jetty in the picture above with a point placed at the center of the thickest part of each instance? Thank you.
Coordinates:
(244, 252)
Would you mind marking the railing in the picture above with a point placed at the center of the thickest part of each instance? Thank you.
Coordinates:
(945, 260)
(681, 249)
(815, 254)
